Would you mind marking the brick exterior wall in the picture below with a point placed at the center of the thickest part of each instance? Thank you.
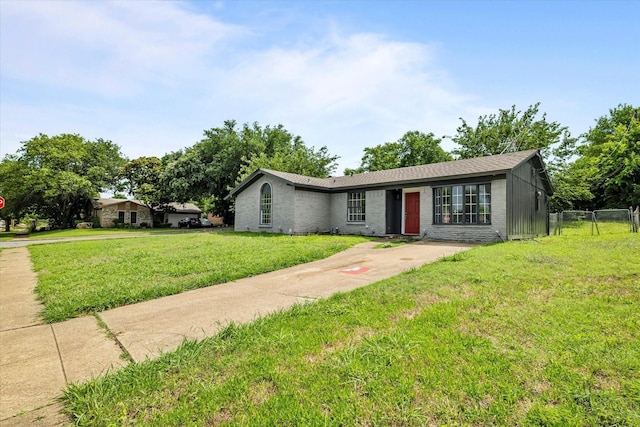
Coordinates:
(311, 212)
(314, 212)
(247, 207)
(107, 214)
(374, 222)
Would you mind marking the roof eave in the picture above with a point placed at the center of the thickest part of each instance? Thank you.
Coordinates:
(250, 180)
(417, 181)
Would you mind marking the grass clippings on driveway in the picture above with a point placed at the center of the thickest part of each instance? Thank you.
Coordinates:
(80, 277)
(528, 333)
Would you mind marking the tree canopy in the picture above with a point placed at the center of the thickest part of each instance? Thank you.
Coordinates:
(56, 177)
(141, 178)
(606, 173)
(208, 170)
(412, 149)
(511, 130)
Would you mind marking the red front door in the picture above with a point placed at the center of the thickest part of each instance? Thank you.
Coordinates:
(412, 213)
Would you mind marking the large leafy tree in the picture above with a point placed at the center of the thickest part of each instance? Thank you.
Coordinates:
(291, 156)
(141, 178)
(511, 130)
(609, 159)
(56, 177)
(570, 188)
(414, 148)
(209, 169)
(15, 189)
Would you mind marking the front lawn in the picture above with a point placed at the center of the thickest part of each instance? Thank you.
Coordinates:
(100, 232)
(543, 332)
(80, 277)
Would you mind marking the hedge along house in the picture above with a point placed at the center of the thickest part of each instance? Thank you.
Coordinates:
(484, 199)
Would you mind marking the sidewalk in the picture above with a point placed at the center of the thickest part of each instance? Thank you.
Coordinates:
(38, 360)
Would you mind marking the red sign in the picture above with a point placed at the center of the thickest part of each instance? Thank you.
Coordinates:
(355, 270)
(1, 202)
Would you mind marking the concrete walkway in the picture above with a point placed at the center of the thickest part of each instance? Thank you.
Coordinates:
(38, 360)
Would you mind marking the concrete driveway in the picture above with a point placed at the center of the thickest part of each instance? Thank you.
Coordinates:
(38, 360)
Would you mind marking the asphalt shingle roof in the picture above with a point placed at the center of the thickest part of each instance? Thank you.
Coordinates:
(500, 163)
(101, 203)
(179, 207)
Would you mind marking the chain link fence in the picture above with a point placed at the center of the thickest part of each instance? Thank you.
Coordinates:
(597, 222)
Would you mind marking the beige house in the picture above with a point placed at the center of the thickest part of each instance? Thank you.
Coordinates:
(132, 212)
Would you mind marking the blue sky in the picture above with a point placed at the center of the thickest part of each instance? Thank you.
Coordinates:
(152, 76)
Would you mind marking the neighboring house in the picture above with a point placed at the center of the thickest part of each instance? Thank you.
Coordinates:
(182, 210)
(485, 199)
(132, 212)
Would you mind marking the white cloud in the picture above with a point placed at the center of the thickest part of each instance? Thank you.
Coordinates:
(154, 75)
(106, 48)
(350, 91)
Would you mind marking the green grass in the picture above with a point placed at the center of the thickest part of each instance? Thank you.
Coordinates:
(81, 277)
(531, 333)
(588, 228)
(99, 232)
(92, 232)
(7, 235)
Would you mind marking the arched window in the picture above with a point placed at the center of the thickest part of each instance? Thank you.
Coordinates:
(265, 204)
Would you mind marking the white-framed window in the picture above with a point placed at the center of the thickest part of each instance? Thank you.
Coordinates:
(462, 204)
(470, 204)
(265, 204)
(356, 206)
(457, 204)
(484, 204)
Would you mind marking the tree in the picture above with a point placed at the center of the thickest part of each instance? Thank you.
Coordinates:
(208, 170)
(570, 189)
(141, 178)
(509, 131)
(413, 149)
(610, 159)
(15, 189)
(605, 168)
(56, 177)
(294, 158)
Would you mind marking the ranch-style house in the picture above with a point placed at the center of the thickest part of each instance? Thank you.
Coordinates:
(135, 212)
(485, 199)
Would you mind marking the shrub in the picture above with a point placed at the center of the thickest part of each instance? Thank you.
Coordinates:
(95, 220)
